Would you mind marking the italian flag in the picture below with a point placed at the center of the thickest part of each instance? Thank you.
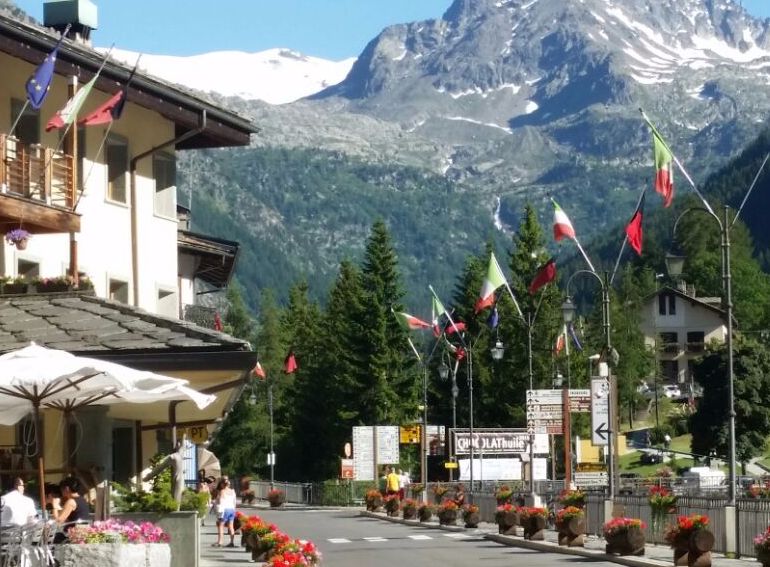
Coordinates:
(410, 322)
(69, 113)
(664, 172)
(562, 226)
(493, 281)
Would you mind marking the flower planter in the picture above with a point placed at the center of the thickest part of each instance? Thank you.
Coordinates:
(694, 551)
(472, 519)
(572, 532)
(114, 555)
(409, 513)
(21, 244)
(627, 542)
(507, 522)
(374, 504)
(447, 517)
(14, 288)
(763, 557)
(276, 501)
(534, 527)
(424, 514)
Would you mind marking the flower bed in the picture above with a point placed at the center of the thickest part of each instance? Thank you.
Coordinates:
(447, 513)
(409, 509)
(507, 519)
(762, 547)
(662, 502)
(373, 499)
(115, 544)
(267, 543)
(533, 521)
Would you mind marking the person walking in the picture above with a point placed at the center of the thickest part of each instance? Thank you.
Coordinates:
(392, 482)
(204, 488)
(225, 505)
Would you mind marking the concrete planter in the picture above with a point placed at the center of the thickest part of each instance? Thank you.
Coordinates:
(114, 555)
(183, 529)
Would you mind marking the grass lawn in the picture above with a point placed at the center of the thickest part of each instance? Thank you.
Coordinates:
(630, 461)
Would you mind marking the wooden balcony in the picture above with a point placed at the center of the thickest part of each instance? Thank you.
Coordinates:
(37, 188)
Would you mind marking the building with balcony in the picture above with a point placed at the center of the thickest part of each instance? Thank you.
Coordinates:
(100, 201)
(677, 325)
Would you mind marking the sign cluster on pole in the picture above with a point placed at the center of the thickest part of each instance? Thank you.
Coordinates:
(545, 409)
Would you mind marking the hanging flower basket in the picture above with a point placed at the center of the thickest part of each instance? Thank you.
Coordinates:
(18, 237)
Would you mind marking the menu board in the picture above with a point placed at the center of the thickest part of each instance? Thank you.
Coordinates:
(387, 445)
(363, 452)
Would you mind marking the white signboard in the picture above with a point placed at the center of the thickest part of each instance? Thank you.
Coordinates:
(590, 479)
(363, 452)
(544, 411)
(387, 445)
(541, 468)
(500, 442)
(490, 469)
(600, 411)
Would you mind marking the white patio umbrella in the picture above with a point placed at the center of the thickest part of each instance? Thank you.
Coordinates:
(36, 377)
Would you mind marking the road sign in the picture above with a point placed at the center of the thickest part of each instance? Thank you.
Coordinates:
(347, 469)
(591, 478)
(580, 401)
(544, 411)
(271, 458)
(409, 434)
(450, 465)
(600, 411)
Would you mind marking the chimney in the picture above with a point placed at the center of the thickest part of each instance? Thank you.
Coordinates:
(80, 14)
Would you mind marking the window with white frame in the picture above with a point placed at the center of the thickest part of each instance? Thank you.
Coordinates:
(119, 290)
(164, 173)
(116, 155)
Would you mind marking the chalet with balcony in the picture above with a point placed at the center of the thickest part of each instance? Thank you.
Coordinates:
(678, 325)
(100, 201)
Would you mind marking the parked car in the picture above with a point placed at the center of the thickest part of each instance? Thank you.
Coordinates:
(672, 391)
(651, 458)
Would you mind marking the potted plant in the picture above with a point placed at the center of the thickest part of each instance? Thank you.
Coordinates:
(253, 532)
(471, 515)
(18, 237)
(507, 518)
(409, 509)
(447, 513)
(503, 494)
(691, 540)
(424, 512)
(762, 547)
(373, 499)
(533, 520)
(662, 502)
(276, 498)
(113, 543)
(571, 525)
(624, 536)
(295, 553)
(416, 490)
(392, 504)
(576, 498)
(439, 490)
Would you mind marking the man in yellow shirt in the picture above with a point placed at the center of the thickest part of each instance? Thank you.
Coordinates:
(392, 482)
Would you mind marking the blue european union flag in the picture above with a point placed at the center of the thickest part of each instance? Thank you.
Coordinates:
(494, 318)
(40, 81)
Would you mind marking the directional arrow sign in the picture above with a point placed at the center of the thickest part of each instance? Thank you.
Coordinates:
(602, 431)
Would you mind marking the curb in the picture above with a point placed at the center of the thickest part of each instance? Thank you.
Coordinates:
(545, 546)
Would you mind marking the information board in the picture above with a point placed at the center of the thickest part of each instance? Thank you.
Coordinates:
(600, 411)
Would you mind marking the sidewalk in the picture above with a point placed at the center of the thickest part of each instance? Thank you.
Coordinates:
(655, 555)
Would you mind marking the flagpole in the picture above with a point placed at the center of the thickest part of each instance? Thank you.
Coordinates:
(676, 160)
(585, 256)
(18, 117)
(414, 350)
(508, 287)
(625, 240)
(753, 183)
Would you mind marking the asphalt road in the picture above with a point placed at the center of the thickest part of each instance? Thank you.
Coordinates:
(349, 540)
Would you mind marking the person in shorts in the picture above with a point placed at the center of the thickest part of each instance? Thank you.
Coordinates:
(225, 506)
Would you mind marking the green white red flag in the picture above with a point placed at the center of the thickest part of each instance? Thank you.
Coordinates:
(494, 280)
(69, 113)
(410, 322)
(664, 165)
(562, 226)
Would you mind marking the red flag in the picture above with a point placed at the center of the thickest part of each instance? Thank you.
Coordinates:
(290, 364)
(109, 111)
(546, 274)
(458, 327)
(634, 228)
(259, 371)
(560, 342)
(217, 322)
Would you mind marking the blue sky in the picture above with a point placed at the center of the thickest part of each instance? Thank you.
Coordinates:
(333, 29)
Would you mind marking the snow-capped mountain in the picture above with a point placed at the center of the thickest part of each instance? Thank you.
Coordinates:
(275, 76)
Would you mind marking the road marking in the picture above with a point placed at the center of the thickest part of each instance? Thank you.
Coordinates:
(456, 535)
(375, 539)
(420, 537)
(338, 540)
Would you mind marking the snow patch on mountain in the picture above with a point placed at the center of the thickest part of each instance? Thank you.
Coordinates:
(275, 76)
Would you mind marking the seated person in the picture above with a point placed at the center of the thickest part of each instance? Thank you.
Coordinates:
(18, 509)
(72, 508)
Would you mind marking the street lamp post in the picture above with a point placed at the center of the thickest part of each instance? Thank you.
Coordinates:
(531, 376)
(424, 435)
(568, 310)
(443, 371)
(675, 264)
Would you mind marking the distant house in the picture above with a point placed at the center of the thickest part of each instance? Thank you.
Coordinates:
(100, 202)
(678, 325)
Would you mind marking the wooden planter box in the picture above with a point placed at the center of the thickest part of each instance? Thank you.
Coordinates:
(424, 514)
(472, 520)
(695, 551)
(409, 513)
(507, 522)
(534, 527)
(629, 542)
(447, 517)
(114, 555)
(572, 532)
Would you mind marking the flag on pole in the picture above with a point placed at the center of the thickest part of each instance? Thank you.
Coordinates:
(454, 327)
(494, 318)
(290, 363)
(410, 322)
(494, 280)
(562, 226)
(664, 165)
(39, 82)
(68, 114)
(634, 228)
(559, 346)
(109, 111)
(259, 371)
(574, 337)
(457, 351)
(439, 310)
(545, 274)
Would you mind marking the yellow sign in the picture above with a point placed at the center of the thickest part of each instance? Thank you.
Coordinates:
(450, 465)
(409, 434)
(198, 434)
(590, 467)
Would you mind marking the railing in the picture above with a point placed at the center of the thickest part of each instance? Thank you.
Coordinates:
(696, 347)
(671, 348)
(36, 172)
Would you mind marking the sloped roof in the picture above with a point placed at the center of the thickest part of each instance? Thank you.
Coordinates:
(217, 256)
(84, 324)
(708, 303)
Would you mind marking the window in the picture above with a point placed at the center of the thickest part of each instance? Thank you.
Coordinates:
(81, 157)
(164, 172)
(28, 269)
(167, 303)
(116, 154)
(119, 291)
(695, 341)
(28, 128)
(666, 304)
(669, 342)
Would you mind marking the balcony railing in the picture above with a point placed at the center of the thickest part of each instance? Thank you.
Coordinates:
(671, 348)
(200, 315)
(36, 172)
(696, 347)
